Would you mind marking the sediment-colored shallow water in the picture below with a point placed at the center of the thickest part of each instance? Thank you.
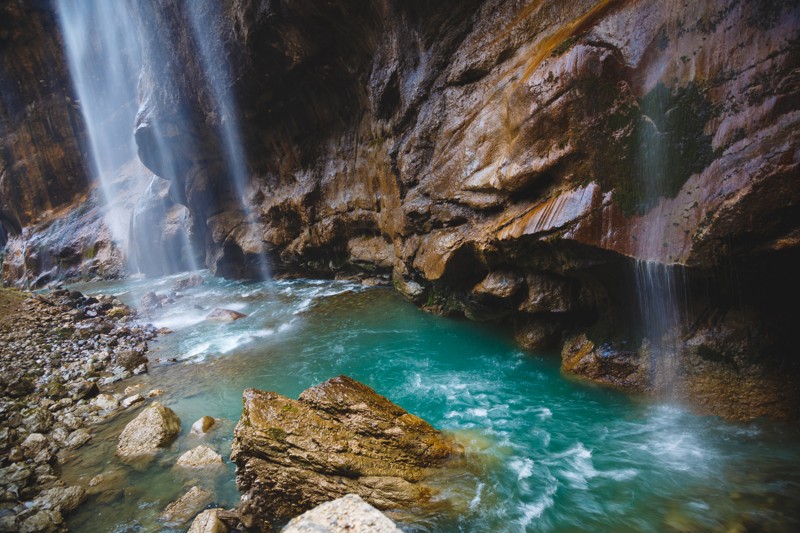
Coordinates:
(547, 454)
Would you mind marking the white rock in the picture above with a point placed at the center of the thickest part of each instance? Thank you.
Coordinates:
(130, 400)
(105, 402)
(184, 508)
(207, 522)
(155, 427)
(349, 514)
(33, 444)
(200, 457)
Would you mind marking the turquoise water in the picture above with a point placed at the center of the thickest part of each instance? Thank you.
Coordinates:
(546, 453)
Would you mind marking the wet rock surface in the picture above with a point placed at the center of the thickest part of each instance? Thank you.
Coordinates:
(338, 438)
(155, 427)
(349, 514)
(59, 352)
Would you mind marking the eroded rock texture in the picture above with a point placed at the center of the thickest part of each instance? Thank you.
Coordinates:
(338, 438)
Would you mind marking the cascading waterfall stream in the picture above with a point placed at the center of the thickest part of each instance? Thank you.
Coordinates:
(103, 55)
(659, 288)
(104, 46)
(219, 80)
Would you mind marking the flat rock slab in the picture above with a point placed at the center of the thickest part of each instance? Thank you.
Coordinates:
(349, 514)
(338, 438)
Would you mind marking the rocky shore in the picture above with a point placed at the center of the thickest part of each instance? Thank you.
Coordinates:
(60, 354)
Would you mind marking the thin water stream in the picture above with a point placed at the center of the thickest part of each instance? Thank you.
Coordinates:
(550, 454)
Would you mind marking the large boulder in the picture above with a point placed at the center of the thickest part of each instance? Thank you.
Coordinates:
(155, 427)
(349, 514)
(338, 438)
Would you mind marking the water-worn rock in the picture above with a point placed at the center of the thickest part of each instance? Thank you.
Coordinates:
(187, 283)
(155, 427)
(203, 425)
(184, 508)
(339, 437)
(349, 514)
(105, 402)
(208, 522)
(224, 315)
(62, 499)
(200, 457)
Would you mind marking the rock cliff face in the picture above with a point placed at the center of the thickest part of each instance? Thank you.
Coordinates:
(42, 163)
(507, 160)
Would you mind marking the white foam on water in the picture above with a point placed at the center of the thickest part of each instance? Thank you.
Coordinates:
(179, 320)
(478, 412)
(523, 467)
(545, 413)
(477, 499)
(533, 510)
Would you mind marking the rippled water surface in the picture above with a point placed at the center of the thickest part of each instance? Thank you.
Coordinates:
(547, 453)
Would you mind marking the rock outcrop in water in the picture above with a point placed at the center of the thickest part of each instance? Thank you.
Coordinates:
(498, 159)
(338, 438)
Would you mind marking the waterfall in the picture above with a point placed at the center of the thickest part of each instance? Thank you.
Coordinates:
(205, 22)
(104, 51)
(103, 56)
(660, 286)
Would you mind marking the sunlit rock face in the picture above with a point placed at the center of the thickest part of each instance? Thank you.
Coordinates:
(41, 134)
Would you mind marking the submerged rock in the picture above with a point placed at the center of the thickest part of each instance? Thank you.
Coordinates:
(200, 457)
(338, 438)
(155, 427)
(349, 514)
(184, 508)
(187, 283)
(225, 315)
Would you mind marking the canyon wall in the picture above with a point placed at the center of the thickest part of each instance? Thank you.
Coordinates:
(512, 161)
(42, 152)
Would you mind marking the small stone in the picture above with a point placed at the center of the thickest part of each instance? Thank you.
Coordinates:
(155, 393)
(33, 444)
(78, 438)
(183, 509)
(62, 499)
(43, 521)
(200, 457)
(203, 425)
(132, 389)
(107, 481)
(131, 400)
(105, 402)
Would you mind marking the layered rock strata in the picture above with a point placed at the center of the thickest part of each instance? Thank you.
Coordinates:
(338, 438)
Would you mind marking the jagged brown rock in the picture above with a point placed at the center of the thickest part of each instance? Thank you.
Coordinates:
(337, 438)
